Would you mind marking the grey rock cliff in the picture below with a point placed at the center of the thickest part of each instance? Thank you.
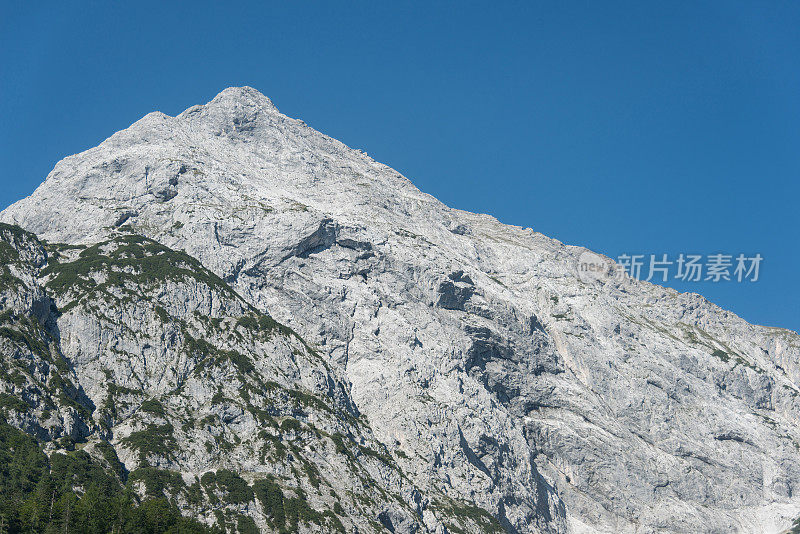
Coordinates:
(485, 366)
(202, 398)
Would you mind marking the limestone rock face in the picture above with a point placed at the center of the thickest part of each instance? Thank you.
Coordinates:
(201, 398)
(488, 369)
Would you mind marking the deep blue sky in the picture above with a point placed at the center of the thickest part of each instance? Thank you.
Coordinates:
(627, 127)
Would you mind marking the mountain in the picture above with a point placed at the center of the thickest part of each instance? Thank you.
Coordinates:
(272, 330)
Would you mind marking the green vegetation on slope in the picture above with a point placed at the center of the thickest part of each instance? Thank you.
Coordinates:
(286, 512)
(128, 258)
(73, 494)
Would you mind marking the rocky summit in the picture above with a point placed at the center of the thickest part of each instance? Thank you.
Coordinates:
(234, 317)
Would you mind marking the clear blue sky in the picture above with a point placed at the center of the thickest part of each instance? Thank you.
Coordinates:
(627, 127)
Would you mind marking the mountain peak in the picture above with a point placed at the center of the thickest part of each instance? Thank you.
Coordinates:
(235, 108)
(245, 96)
(477, 353)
